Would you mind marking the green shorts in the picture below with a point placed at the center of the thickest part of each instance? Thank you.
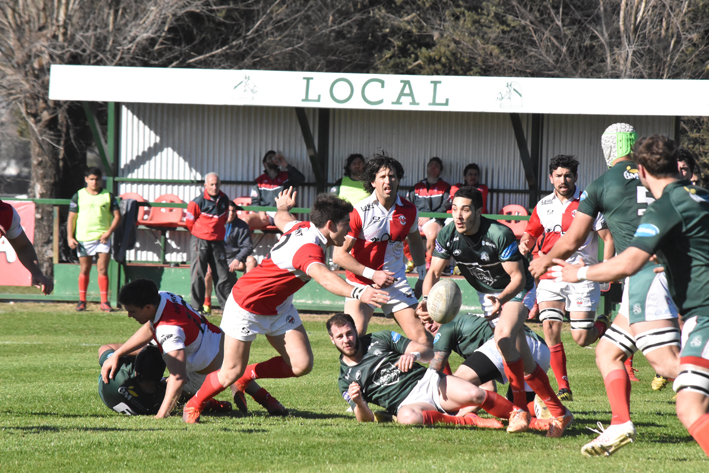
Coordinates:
(695, 342)
(646, 297)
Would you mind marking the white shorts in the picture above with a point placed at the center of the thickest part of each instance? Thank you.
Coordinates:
(540, 353)
(91, 248)
(426, 390)
(242, 325)
(401, 296)
(582, 296)
(526, 298)
(193, 383)
(650, 300)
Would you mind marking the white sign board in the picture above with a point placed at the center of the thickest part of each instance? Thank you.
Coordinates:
(380, 91)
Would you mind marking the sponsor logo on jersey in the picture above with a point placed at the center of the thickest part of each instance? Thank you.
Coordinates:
(395, 336)
(402, 219)
(647, 230)
(388, 375)
(631, 173)
(166, 337)
(637, 309)
(550, 211)
(456, 252)
(436, 338)
(584, 194)
(488, 243)
(439, 248)
(358, 375)
(573, 213)
(509, 251)
(484, 256)
(696, 341)
(696, 197)
(547, 201)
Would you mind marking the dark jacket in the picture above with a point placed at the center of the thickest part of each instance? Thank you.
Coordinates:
(238, 241)
(207, 215)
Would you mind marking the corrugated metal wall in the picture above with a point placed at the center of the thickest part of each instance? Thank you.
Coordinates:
(188, 141)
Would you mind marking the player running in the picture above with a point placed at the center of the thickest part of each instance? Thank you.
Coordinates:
(487, 255)
(261, 302)
(550, 219)
(647, 319)
(373, 252)
(381, 368)
(675, 228)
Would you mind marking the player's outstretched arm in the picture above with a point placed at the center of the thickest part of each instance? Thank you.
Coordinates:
(138, 340)
(418, 251)
(335, 284)
(28, 257)
(341, 256)
(625, 264)
(177, 366)
(438, 363)
(414, 352)
(565, 246)
(432, 277)
(362, 411)
(284, 202)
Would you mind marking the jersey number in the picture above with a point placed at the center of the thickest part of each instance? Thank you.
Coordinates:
(644, 198)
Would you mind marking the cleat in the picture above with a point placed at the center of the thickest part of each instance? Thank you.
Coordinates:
(191, 415)
(474, 419)
(565, 395)
(559, 424)
(409, 266)
(274, 407)
(240, 402)
(540, 424)
(456, 271)
(81, 306)
(631, 371)
(207, 309)
(106, 307)
(519, 421)
(541, 411)
(213, 406)
(659, 382)
(609, 440)
(382, 417)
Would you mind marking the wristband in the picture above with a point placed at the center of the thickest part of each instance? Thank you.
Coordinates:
(424, 298)
(581, 273)
(368, 273)
(421, 270)
(417, 355)
(357, 293)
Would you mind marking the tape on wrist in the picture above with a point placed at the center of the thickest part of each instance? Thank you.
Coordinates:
(368, 273)
(357, 293)
(581, 273)
(417, 355)
(424, 298)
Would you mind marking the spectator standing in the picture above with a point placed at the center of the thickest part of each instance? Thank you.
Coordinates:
(93, 216)
(206, 219)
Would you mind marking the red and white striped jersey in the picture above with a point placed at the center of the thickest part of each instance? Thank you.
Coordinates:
(268, 289)
(178, 326)
(10, 226)
(380, 235)
(552, 218)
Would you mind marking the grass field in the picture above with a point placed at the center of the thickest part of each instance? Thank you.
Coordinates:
(51, 417)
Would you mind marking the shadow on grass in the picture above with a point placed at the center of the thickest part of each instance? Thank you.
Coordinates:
(293, 413)
(54, 414)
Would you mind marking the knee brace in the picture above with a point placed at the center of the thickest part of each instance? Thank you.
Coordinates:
(621, 339)
(553, 315)
(657, 338)
(692, 380)
(582, 324)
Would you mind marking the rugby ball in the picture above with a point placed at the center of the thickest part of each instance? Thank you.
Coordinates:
(444, 301)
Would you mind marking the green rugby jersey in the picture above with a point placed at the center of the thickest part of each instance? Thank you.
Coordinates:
(480, 256)
(123, 394)
(381, 382)
(466, 333)
(676, 229)
(622, 199)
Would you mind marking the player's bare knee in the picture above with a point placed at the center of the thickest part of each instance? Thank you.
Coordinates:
(409, 417)
(584, 338)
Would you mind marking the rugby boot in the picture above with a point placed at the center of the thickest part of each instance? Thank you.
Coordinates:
(540, 424)
(474, 419)
(81, 306)
(659, 382)
(559, 424)
(214, 406)
(565, 395)
(240, 401)
(610, 439)
(191, 414)
(519, 421)
(274, 407)
(383, 417)
(106, 307)
(631, 371)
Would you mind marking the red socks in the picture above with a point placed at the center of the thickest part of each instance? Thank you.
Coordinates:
(447, 369)
(103, 288)
(496, 405)
(558, 365)
(700, 432)
(276, 367)
(618, 391)
(601, 327)
(539, 382)
(210, 388)
(515, 374)
(83, 285)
